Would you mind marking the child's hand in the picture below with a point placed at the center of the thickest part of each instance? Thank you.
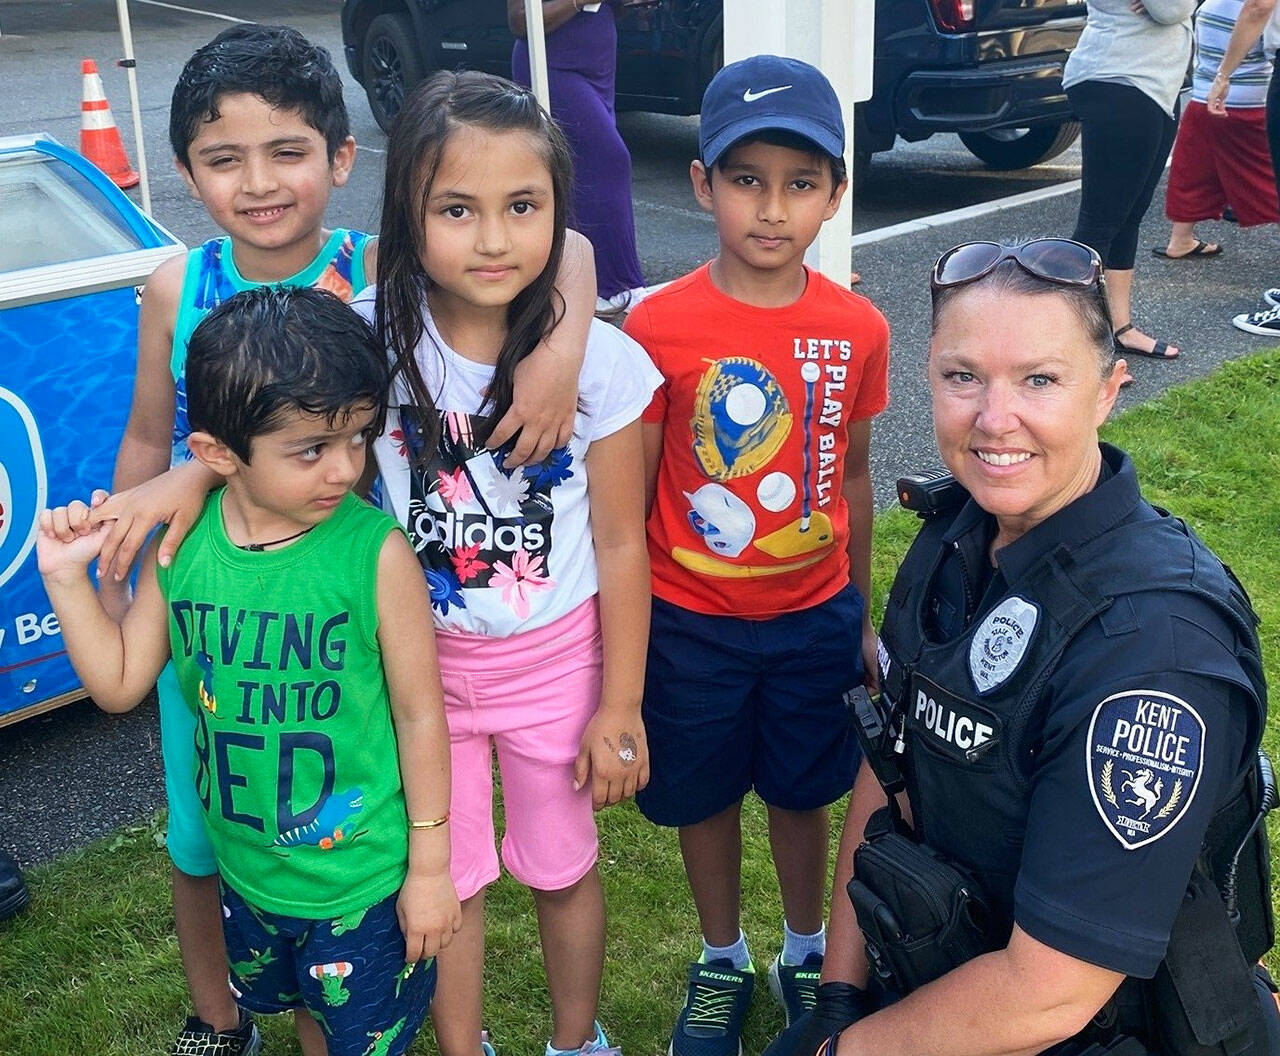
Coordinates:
(614, 755)
(543, 406)
(67, 542)
(174, 498)
(429, 914)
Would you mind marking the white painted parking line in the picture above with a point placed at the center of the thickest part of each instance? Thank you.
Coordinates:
(195, 11)
(371, 150)
(969, 212)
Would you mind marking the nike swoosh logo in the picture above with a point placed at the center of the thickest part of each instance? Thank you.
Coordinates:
(750, 97)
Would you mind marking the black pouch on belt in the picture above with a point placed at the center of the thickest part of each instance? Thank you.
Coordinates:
(1203, 994)
(920, 916)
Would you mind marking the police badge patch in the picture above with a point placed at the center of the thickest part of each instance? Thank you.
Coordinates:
(1001, 640)
(1145, 750)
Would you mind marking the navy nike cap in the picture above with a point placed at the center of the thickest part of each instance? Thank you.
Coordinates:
(769, 92)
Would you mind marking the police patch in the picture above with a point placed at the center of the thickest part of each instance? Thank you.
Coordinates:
(1145, 754)
(1000, 642)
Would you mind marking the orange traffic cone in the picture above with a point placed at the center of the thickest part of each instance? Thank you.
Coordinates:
(100, 140)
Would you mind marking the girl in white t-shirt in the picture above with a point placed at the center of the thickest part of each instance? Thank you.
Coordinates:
(538, 575)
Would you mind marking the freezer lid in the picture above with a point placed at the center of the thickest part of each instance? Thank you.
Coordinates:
(65, 229)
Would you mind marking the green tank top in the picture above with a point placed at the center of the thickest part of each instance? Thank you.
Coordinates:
(211, 277)
(295, 749)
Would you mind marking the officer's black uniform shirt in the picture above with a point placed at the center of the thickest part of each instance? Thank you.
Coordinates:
(1080, 889)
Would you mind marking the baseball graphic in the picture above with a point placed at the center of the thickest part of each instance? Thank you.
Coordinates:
(776, 492)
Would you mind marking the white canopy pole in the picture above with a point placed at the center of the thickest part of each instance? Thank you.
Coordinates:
(536, 37)
(837, 36)
(126, 39)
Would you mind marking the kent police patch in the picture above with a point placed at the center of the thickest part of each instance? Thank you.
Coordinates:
(1145, 753)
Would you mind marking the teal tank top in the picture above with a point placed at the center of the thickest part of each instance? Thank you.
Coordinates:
(211, 277)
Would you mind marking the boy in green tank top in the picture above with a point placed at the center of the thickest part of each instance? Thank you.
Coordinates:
(300, 631)
(261, 138)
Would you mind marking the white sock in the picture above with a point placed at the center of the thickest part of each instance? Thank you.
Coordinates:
(795, 947)
(736, 954)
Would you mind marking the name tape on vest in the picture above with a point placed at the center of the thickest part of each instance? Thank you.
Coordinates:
(1145, 754)
(957, 727)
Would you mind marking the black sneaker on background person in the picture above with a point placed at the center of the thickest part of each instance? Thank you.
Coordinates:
(14, 895)
(200, 1039)
(1265, 323)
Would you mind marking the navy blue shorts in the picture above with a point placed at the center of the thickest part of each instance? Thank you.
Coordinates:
(732, 704)
(349, 973)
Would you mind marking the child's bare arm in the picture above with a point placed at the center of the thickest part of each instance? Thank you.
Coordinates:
(147, 442)
(147, 495)
(546, 385)
(614, 753)
(118, 663)
(858, 498)
(428, 905)
(652, 436)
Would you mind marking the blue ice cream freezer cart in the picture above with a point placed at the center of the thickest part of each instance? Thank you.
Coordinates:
(74, 252)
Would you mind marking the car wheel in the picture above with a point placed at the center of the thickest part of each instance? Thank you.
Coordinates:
(391, 66)
(1020, 148)
(710, 56)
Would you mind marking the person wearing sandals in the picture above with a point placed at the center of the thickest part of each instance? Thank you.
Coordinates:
(1256, 17)
(1123, 80)
(1216, 161)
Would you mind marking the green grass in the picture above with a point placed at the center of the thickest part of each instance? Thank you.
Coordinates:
(93, 967)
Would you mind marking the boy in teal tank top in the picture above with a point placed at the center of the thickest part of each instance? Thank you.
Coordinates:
(300, 632)
(261, 137)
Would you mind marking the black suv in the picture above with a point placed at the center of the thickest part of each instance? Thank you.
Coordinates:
(990, 70)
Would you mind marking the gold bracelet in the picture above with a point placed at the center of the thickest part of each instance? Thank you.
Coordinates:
(434, 823)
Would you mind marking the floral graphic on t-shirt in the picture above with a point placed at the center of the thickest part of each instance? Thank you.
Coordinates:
(455, 488)
(552, 470)
(397, 438)
(466, 562)
(445, 590)
(504, 492)
(475, 524)
(520, 580)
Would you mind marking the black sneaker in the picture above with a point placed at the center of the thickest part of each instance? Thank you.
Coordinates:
(710, 1024)
(200, 1039)
(795, 986)
(14, 895)
(1265, 323)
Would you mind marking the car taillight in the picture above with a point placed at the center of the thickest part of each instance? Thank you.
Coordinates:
(954, 16)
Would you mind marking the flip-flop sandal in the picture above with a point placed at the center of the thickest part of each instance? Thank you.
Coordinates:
(1202, 249)
(1159, 351)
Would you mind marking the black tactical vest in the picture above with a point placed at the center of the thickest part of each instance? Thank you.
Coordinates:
(968, 755)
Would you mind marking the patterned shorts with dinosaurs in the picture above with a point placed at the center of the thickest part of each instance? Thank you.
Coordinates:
(349, 973)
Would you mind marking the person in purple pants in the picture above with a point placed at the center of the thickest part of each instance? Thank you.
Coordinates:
(582, 60)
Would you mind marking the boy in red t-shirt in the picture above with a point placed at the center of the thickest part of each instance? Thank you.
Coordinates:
(759, 531)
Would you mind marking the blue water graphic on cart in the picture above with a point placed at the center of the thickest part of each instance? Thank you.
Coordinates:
(60, 426)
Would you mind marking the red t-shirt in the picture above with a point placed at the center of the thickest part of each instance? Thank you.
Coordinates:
(749, 519)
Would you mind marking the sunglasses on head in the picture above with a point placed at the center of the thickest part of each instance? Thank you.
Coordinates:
(1057, 260)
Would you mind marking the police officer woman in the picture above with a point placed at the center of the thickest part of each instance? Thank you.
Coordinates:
(1072, 702)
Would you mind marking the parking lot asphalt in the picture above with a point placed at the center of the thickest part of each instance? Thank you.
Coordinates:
(73, 775)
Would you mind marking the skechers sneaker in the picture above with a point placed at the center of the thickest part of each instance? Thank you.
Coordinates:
(1265, 323)
(795, 986)
(710, 1024)
(597, 1046)
(200, 1039)
(1272, 296)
